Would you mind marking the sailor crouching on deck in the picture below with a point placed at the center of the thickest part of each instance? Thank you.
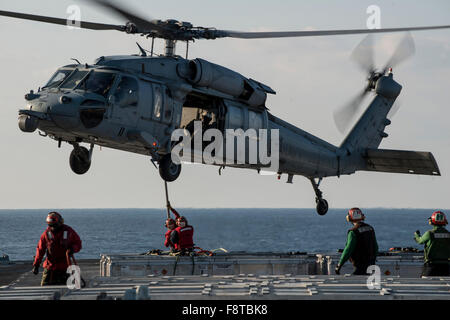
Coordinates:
(183, 236)
(362, 247)
(56, 240)
(170, 225)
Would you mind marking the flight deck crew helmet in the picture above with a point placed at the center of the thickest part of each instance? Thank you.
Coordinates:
(169, 222)
(54, 219)
(355, 215)
(438, 218)
(182, 219)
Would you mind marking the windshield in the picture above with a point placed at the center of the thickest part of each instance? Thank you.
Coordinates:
(72, 81)
(58, 78)
(98, 82)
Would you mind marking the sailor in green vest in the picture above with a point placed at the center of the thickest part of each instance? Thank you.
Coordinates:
(362, 247)
(437, 246)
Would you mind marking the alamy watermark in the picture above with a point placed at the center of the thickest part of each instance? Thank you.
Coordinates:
(237, 147)
(374, 19)
(73, 17)
(74, 280)
(374, 280)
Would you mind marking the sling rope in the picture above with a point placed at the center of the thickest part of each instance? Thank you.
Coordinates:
(167, 200)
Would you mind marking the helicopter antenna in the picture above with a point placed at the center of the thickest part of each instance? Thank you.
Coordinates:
(143, 51)
(75, 60)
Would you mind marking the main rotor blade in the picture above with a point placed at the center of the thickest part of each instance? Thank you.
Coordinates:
(291, 34)
(363, 55)
(143, 25)
(345, 115)
(405, 49)
(64, 22)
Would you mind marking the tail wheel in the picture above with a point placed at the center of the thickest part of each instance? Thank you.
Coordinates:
(168, 170)
(79, 160)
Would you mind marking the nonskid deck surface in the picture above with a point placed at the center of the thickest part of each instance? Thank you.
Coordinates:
(240, 287)
(243, 276)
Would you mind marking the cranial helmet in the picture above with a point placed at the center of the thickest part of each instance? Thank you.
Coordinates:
(438, 218)
(54, 219)
(355, 215)
(170, 221)
(182, 219)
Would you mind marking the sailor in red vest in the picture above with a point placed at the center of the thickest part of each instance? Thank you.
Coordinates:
(183, 236)
(56, 241)
(170, 225)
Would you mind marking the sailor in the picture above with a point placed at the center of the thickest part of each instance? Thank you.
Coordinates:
(183, 236)
(437, 246)
(362, 247)
(206, 120)
(170, 225)
(58, 241)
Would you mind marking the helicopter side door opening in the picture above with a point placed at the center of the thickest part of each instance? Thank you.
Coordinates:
(201, 108)
(207, 111)
(236, 123)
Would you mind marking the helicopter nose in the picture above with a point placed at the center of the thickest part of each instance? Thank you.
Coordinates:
(67, 112)
(64, 113)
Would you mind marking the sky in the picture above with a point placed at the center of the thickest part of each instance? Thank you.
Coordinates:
(313, 77)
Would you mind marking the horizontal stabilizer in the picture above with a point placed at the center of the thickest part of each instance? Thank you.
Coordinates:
(395, 161)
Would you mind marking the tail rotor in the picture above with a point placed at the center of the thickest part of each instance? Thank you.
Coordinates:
(363, 56)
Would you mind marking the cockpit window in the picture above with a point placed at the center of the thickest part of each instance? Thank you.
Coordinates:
(72, 81)
(58, 78)
(127, 92)
(98, 82)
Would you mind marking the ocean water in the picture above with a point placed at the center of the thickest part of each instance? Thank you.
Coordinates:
(115, 231)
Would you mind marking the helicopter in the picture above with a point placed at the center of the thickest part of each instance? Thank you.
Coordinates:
(134, 103)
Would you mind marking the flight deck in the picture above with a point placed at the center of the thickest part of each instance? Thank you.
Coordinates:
(230, 276)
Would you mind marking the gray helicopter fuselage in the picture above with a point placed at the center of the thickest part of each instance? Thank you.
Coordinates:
(142, 100)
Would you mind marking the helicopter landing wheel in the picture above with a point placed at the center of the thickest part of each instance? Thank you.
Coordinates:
(322, 206)
(79, 160)
(168, 170)
(321, 203)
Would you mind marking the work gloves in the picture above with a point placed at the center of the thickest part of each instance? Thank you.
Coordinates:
(338, 269)
(35, 269)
